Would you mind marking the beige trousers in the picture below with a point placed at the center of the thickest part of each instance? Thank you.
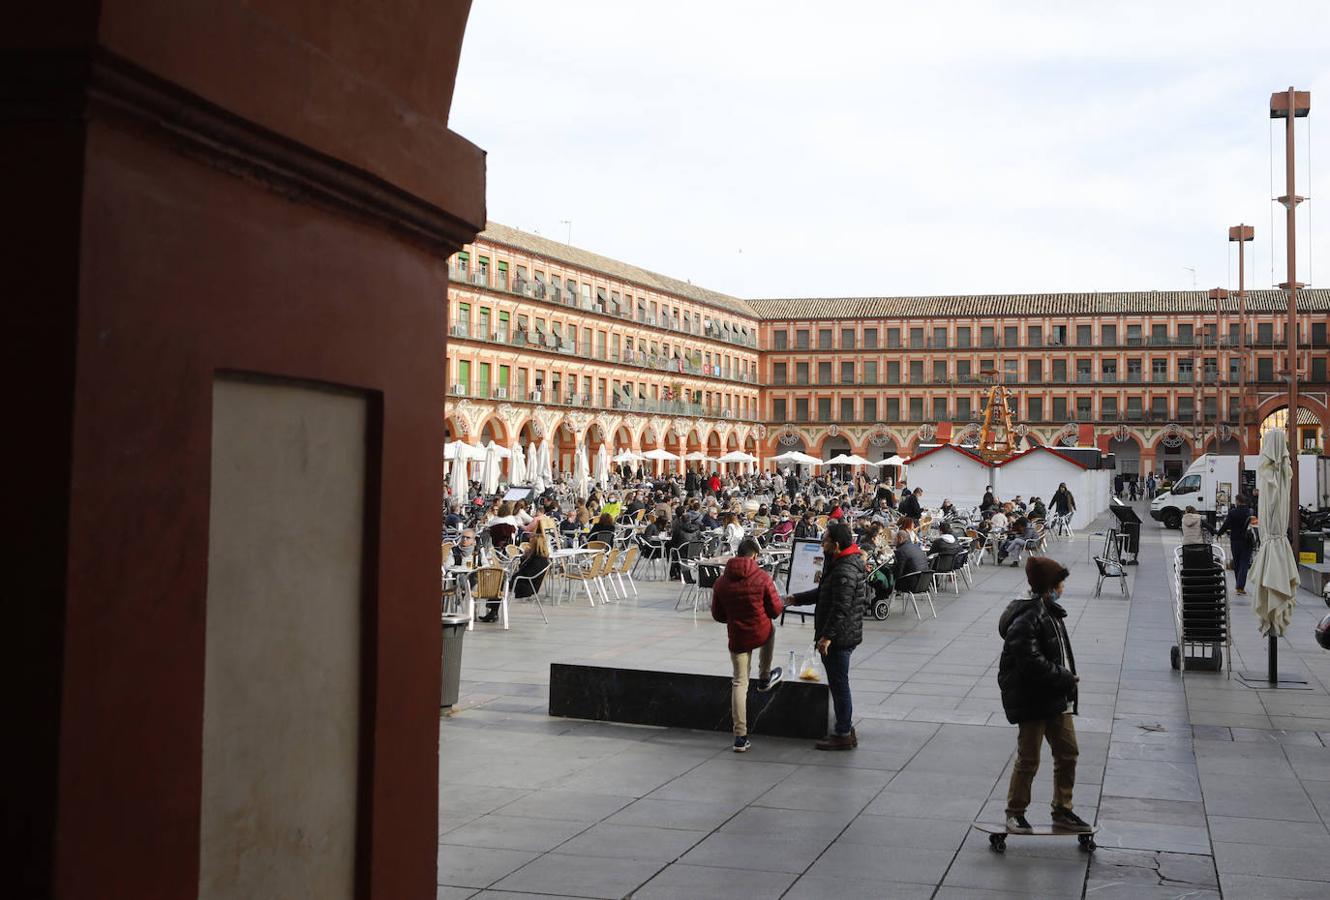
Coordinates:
(742, 663)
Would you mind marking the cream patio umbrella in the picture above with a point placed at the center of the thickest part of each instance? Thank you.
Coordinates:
(516, 464)
(659, 455)
(796, 457)
(461, 489)
(489, 470)
(532, 460)
(602, 467)
(1273, 569)
(581, 473)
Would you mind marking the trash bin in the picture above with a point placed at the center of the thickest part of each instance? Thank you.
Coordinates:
(1312, 549)
(454, 630)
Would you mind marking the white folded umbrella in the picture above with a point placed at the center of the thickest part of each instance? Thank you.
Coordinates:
(466, 451)
(489, 477)
(516, 464)
(458, 482)
(602, 467)
(532, 460)
(581, 475)
(1273, 569)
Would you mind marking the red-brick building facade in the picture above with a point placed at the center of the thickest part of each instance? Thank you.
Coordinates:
(549, 338)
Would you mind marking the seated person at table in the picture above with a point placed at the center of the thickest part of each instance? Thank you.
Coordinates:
(989, 501)
(531, 570)
(466, 551)
(944, 535)
(910, 557)
(453, 519)
(653, 536)
(685, 536)
(603, 530)
(763, 517)
(997, 523)
(613, 507)
(1037, 509)
(709, 518)
(807, 528)
(908, 527)
(635, 503)
(570, 527)
(583, 515)
(521, 514)
(1022, 532)
(733, 532)
(785, 525)
(948, 509)
(502, 527)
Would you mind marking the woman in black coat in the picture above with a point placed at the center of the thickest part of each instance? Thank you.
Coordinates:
(838, 623)
(603, 530)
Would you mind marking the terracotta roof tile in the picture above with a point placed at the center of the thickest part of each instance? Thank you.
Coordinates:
(584, 259)
(971, 306)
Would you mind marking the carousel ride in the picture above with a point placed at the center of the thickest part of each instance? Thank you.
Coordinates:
(997, 435)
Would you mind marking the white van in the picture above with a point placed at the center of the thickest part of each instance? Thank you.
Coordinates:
(1210, 483)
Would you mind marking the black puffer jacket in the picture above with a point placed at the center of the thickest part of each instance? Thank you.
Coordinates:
(1037, 682)
(841, 597)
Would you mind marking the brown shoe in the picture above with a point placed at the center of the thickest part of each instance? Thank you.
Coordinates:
(838, 742)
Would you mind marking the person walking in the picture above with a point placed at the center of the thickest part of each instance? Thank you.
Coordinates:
(838, 623)
(1064, 504)
(745, 599)
(1239, 539)
(1038, 680)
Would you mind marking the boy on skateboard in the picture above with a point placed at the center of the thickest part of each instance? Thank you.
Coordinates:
(1037, 675)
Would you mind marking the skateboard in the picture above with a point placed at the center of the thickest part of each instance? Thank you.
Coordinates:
(997, 835)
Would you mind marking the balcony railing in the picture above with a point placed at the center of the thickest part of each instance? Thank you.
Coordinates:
(551, 396)
(540, 290)
(550, 343)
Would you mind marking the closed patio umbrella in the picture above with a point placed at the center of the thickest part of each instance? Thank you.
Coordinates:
(516, 464)
(532, 460)
(489, 470)
(1273, 569)
(581, 475)
(458, 481)
(603, 467)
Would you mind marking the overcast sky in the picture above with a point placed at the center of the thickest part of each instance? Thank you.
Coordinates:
(775, 149)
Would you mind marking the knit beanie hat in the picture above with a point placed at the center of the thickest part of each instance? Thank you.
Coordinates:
(1044, 574)
(841, 534)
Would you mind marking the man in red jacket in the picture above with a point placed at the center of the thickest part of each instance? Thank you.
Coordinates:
(745, 599)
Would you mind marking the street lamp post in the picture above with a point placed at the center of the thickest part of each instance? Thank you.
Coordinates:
(1242, 234)
(1291, 105)
(1219, 295)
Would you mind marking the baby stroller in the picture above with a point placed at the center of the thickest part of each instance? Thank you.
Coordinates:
(881, 585)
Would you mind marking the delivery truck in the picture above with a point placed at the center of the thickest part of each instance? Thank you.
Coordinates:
(1211, 482)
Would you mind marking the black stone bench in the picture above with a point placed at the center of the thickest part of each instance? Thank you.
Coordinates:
(797, 709)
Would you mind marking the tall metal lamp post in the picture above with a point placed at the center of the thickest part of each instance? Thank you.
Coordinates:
(1241, 234)
(1290, 105)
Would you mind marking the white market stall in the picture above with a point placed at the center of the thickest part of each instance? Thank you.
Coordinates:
(1037, 472)
(948, 472)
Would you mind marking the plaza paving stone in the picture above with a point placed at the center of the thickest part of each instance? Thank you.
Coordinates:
(1202, 787)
